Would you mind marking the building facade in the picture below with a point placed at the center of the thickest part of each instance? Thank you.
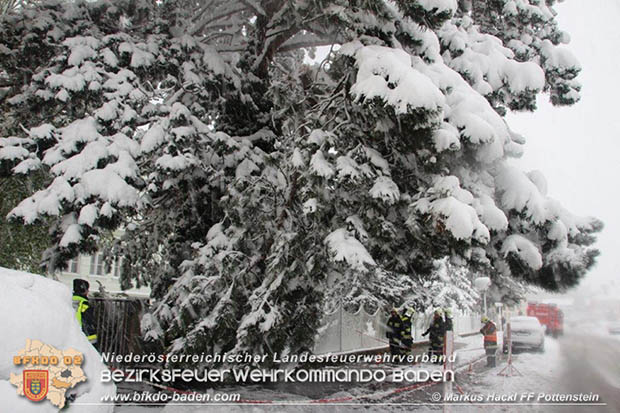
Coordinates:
(92, 269)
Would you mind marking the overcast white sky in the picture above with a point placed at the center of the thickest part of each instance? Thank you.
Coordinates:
(578, 148)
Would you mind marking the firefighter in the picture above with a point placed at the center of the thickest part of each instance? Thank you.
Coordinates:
(393, 332)
(436, 331)
(83, 311)
(406, 339)
(489, 331)
(448, 319)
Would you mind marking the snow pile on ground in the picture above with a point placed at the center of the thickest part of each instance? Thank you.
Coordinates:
(34, 307)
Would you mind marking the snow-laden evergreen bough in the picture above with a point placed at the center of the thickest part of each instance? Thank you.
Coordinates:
(254, 190)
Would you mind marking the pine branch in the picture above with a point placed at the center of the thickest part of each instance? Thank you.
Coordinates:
(305, 44)
(255, 7)
(7, 83)
(198, 27)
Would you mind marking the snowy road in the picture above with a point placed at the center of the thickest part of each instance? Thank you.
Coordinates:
(591, 364)
(577, 363)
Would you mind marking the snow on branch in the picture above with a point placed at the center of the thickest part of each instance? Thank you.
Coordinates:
(524, 249)
(387, 73)
(347, 248)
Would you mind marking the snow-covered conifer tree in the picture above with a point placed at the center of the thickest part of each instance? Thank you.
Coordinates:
(254, 189)
(450, 285)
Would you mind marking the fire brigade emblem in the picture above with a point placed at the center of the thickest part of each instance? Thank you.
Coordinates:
(36, 384)
(48, 373)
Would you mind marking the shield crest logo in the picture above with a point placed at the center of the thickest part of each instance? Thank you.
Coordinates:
(35, 384)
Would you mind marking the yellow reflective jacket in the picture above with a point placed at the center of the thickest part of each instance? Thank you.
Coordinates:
(84, 315)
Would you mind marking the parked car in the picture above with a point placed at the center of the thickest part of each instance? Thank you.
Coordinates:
(526, 333)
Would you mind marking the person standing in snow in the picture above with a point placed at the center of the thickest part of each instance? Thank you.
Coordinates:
(406, 339)
(83, 311)
(436, 331)
(489, 331)
(394, 326)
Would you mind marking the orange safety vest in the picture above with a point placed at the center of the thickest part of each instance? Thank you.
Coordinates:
(490, 333)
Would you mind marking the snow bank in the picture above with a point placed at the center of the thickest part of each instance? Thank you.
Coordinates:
(37, 308)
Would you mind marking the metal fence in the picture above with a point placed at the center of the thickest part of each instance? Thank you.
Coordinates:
(118, 324)
(118, 327)
(343, 331)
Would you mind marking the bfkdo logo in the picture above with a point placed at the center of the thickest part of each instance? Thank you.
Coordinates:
(36, 383)
(48, 373)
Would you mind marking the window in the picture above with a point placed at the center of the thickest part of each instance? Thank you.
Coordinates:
(96, 264)
(117, 268)
(74, 265)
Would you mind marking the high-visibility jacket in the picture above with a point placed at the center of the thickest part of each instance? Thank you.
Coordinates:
(490, 334)
(84, 315)
(394, 326)
(405, 331)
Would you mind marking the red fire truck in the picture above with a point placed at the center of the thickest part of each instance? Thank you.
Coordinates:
(549, 316)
